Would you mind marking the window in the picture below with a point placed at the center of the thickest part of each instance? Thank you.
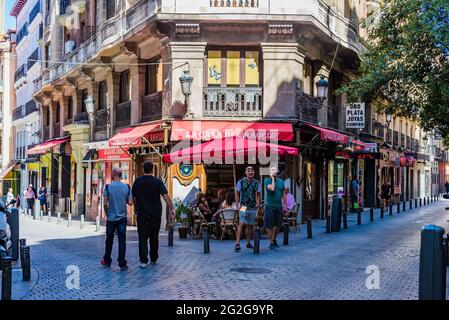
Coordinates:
(69, 107)
(124, 87)
(233, 67)
(110, 9)
(47, 116)
(47, 54)
(102, 95)
(58, 112)
(83, 100)
(153, 77)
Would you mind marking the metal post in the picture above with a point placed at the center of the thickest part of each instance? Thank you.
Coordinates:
(359, 217)
(432, 265)
(309, 228)
(41, 215)
(82, 222)
(69, 220)
(371, 214)
(381, 212)
(35, 214)
(97, 224)
(398, 207)
(403, 205)
(328, 224)
(206, 239)
(49, 216)
(6, 278)
(170, 235)
(58, 219)
(411, 204)
(424, 200)
(22, 243)
(416, 203)
(26, 269)
(256, 239)
(286, 226)
(390, 211)
(420, 202)
(345, 220)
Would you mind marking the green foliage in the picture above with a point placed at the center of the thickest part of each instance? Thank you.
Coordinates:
(182, 214)
(407, 63)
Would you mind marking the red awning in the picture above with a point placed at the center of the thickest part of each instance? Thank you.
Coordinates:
(43, 147)
(226, 149)
(132, 136)
(330, 135)
(208, 130)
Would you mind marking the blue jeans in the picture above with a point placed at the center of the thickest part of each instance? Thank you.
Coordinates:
(120, 226)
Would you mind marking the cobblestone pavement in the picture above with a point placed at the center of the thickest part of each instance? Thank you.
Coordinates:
(329, 266)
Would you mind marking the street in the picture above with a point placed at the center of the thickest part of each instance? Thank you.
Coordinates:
(329, 266)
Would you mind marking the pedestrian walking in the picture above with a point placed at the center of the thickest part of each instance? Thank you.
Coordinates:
(273, 205)
(9, 196)
(30, 196)
(247, 195)
(147, 191)
(386, 194)
(354, 193)
(446, 185)
(43, 199)
(116, 196)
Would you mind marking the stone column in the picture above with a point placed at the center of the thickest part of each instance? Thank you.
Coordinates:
(322, 113)
(112, 96)
(137, 75)
(92, 90)
(282, 67)
(194, 53)
(51, 106)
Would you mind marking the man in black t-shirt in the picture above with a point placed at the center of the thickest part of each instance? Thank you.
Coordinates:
(147, 191)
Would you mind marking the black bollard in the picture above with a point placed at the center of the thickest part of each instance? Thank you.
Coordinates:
(398, 207)
(432, 265)
(345, 220)
(411, 204)
(390, 211)
(309, 228)
(206, 239)
(371, 214)
(381, 212)
(403, 205)
(420, 202)
(6, 278)
(256, 239)
(26, 267)
(359, 217)
(22, 243)
(286, 226)
(328, 224)
(170, 236)
(416, 203)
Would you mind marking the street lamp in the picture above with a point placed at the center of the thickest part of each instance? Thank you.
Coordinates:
(322, 86)
(388, 118)
(186, 87)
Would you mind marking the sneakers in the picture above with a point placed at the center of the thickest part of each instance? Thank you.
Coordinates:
(104, 263)
(237, 247)
(143, 265)
(153, 263)
(249, 245)
(275, 243)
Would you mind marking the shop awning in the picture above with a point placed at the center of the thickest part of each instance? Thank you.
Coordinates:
(89, 155)
(8, 169)
(227, 150)
(132, 136)
(43, 147)
(206, 130)
(330, 135)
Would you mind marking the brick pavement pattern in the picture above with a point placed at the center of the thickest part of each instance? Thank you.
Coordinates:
(329, 266)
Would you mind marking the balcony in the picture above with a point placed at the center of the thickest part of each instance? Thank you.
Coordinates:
(101, 120)
(152, 107)
(409, 143)
(33, 58)
(123, 114)
(35, 11)
(46, 133)
(232, 102)
(20, 73)
(402, 140)
(17, 113)
(81, 117)
(333, 116)
(396, 139)
(24, 110)
(234, 3)
(68, 121)
(57, 130)
(308, 107)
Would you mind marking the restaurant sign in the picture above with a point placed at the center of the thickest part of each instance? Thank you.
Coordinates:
(112, 154)
(355, 116)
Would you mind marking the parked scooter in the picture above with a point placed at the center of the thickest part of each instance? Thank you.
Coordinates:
(5, 231)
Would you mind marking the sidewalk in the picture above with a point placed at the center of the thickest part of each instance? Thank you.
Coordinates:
(20, 288)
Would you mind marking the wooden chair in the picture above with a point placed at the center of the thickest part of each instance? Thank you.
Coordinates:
(259, 215)
(195, 216)
(229, 219)
(201, 222)
(292, 217)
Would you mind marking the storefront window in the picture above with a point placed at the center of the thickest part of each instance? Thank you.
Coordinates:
(336, 178)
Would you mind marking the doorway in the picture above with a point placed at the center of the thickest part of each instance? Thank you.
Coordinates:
(311, 191)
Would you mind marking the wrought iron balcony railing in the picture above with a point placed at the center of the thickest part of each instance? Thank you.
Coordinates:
(152, 107)
(232, 102)
(333, 116)
(123, 114)
(395, 138)
(101, 119)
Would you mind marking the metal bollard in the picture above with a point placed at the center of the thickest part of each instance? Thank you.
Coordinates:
(6, 278)
(35, 215)
(26, 268)
(206, 239)
(256, 239)
(97, 224)
(49, 216)
(416, 203)
(328, 224)
(22, 243)
(41, 215)
(170, 235)
(359, 217)
(381, 212)
(371, 214)
(403, 205)
(58, 219)
(390, 211)
(398, 207)
(309, 228)
(82, 222)
(345, 220)
(411, 204)
(420, 202)
(69, 220)
(432, 264)
(424, 200)
(286, 226)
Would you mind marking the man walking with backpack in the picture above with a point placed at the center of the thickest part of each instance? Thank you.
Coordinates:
(116, 196)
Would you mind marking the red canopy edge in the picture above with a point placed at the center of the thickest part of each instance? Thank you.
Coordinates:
(42, 148)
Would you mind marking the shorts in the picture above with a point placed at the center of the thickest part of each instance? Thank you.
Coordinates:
(248, 217)
(273, 217)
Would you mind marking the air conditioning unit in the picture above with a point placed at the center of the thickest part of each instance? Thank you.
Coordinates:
(69, 46)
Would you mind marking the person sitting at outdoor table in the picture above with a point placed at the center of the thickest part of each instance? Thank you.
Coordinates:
(203, 206)
(229, 202)
(288, 201)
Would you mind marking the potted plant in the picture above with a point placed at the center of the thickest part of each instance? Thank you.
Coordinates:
(182, 216)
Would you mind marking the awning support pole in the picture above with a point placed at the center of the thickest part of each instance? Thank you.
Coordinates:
(152, 147)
